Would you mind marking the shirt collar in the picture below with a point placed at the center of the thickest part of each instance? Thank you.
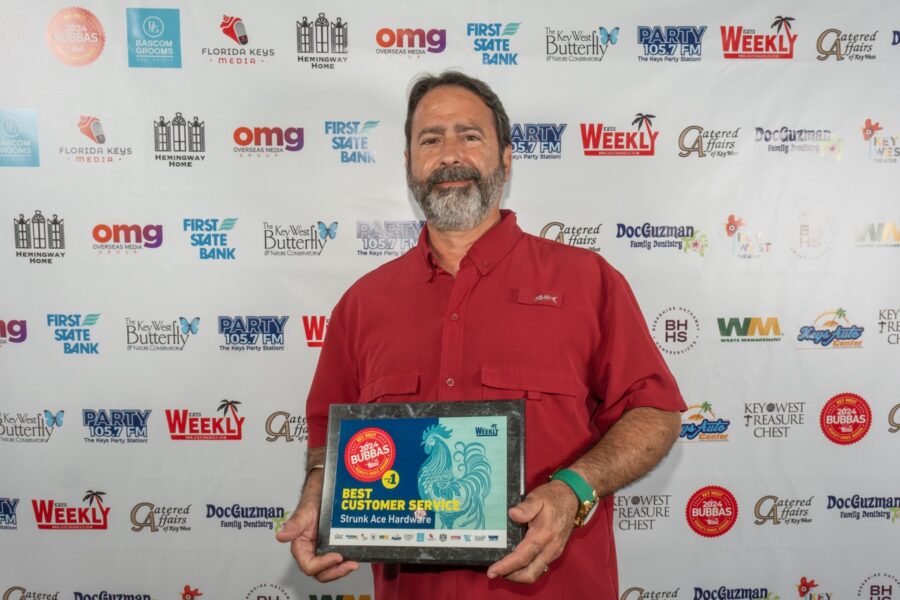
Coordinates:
(486, 252)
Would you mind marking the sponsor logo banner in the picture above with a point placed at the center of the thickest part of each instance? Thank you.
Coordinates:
(38, 239)
(322, 43)
(776, 510)
(154, 38)
(670, 43)
(493, 42)
(73, 332)
(210, 237)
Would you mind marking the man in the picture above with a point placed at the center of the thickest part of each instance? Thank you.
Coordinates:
(480, 310)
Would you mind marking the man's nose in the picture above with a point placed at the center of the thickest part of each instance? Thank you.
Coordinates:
(451, 152)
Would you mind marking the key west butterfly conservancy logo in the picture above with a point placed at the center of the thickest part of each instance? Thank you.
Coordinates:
(602, 139)
(252, 332)
(297, 240)
(115, 426)
(52, 514)
(350, 139)
(701, 424)
(159, 335)
(210, 237)
(578, 45)
(24, 427)
(185, 425)
(74, 331)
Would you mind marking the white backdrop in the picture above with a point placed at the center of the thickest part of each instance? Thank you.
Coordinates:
(815, 246)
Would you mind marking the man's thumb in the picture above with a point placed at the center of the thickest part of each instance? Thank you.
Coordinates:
(525, 511)
(289, 531)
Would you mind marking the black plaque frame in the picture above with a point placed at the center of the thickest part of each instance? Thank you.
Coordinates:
(513, 410)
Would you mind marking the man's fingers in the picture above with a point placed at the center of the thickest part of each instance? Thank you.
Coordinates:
(336, 572)
(289, 531)
(311, 564)
(526, 510)
(518, 559)
(532, 572)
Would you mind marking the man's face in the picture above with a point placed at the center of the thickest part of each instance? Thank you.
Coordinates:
(454, 167)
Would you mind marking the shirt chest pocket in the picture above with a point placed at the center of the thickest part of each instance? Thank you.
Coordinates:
(511, 383)
(391, 387)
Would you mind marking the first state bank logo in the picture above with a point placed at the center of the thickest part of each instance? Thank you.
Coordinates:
(19, 138)
(154, 38)
(74, 332)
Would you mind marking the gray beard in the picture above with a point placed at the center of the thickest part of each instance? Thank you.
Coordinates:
(457, 208)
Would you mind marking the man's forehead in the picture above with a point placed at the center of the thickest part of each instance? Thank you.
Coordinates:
(459, 105)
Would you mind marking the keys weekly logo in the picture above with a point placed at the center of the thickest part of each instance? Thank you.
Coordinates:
(210, 238)
(739, 42)
(74, 332)
(492, 42)
(192, 426)
(52, 514)
(315, 326)
(600, 139)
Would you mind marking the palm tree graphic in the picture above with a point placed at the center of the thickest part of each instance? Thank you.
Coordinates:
(91, 495)
(641, 119)
(706, 407)
(229, 404)
(786, 21)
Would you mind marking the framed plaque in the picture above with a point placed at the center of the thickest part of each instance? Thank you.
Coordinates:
(423, 482)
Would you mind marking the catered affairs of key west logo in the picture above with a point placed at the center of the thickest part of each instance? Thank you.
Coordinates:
(877, 235)
(700, 423)
(186, 425)
(283, 425)
(22, 427)
(210, 237)
(883, 149)
(8, 513)
(266, 141)
(160, 518)
(580, 236)
(17, 592)
(707, 143)
(240, 50)
(670, 43)
(13, 331)
(159, 335)
(73, 331)
(603, 139)
(122, 238)
(493, 42)
(53, 514)
(746, 244)
(178, 142)
(297, 240)
(740, 42)
(889, 325)
(387, 238)
(409, 42)
(845, 419)
(647, 593)
(237, 516)
(322, 43)
(675, 330)
(19, 138)
(670, 237)
(350, 140)
(252, 332)
(858, 507)
(641, 512)
(99, 152)
(537, 141)
(579, 45)
(711, 511)
(831, 329)
(115, 426)
(315, 326)
(841, 45)
(39, 239)
(773, 420)
(749, 329)
(777, 510)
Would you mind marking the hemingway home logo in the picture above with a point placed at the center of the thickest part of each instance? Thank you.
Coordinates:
(598, 139)
(186, 426)
(297, 240)
(179, 142)
(99, 153)
(283, 425)
(154, 38)
(13, 331)
(749, 329)
(322, 43)
(866, 507)
(351, 140)
(640, 513)
(51, 514)
(537, 141)
(267, 141)
(116, 426)
(672, 237)
(700, 423)
(156, 518)
(782, 511)
(410, 42)
(492, 42)
(746, 245)
(739, 42)
(244, 54)
(855, 47)
(877, 235)
(74, 332)
(8, 513)
(773, 419)
(252, 332)
(662, 43)
(314, 326)
(577, 45)
(238, 517)
(210, 238)
(586, 237)
(831, 329)
(387, 238)
(711, 143)
(124, 239)
(27, 428)
(38, 239)
(159, 335)
(883, 149)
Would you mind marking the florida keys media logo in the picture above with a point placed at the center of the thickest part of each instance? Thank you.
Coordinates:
(252, 332)
(98, 152)
(243, 50)
(186, 425)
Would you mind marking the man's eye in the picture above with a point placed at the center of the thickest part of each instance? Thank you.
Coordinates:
(429, 141)
(473, 138)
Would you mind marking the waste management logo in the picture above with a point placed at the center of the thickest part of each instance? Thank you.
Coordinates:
(749, 329)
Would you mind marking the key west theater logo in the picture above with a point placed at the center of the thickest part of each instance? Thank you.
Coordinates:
(537, 141)
(117, 426)
(210, 237)
(252, 332)
(599, 139)
(74, 331)
(884, 149)
(186, 425)
(739, 42)
(662, 43)
(52, 514)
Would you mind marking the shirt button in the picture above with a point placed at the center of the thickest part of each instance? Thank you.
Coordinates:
(454, 317)
(450, 382)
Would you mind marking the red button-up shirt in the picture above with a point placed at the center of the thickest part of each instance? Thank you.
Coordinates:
(524, 317)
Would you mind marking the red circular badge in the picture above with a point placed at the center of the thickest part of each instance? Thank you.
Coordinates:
(75, 35)
(845, 419)
(711, 511)
(370, 454)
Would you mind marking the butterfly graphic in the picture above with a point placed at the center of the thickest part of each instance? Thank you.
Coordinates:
(329, 231)
(189, 326)
(609, 37)
(53, 420)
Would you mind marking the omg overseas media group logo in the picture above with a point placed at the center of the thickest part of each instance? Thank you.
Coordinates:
(38, 239)
(853, 46)
(883, 149)
(267, 142)
(252, 332)
(668, 237)
(579, 45)
(831, 329)
(412, 43)
(580, 236)
(240, 50)
(350, 140)
(164, 518)
(178, 142)
(8, 513)
(711, 511)
(845, 419)
(75, 36)
(122, 238)
(708, 143)
(740, 42)
(297, 240)
(186, 425)
(671, 43)
(746, 244)
(641, 512)
(97, 153)
(115, 426)
(13, 331)
(537, 141)
(210, 237)
(322, 43)
(23, 427)
(160, 335)
(73, 331)
(154, 38)
(493, 42)
(700, 423)
(675, 330)
(19, 138)
(858, 507)
(603, 139)
(53, 514)
(387, 238)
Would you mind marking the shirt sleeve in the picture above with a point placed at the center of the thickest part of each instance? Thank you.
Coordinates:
(335, 381)
(630, 371)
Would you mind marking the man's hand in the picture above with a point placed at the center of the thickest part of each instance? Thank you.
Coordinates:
(549, 510)
(300, 530)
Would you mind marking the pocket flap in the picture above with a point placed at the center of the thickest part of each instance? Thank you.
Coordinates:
(539, 298)
(532, 380)
(391, 384)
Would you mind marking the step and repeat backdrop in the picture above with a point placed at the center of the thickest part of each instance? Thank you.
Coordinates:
(188, 188)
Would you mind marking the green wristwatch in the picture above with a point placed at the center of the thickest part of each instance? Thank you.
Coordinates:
(587, 496)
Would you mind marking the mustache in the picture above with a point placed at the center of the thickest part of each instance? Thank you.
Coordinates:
(448, 174)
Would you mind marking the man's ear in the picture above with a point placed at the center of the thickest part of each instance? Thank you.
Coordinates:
(507, 162)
